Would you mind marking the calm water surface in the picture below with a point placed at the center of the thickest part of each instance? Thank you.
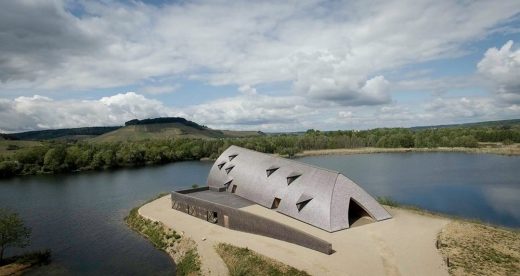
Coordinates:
(480, 186)
(80, 217)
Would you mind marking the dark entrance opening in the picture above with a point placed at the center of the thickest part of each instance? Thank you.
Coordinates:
(357, 215)
(213, 217)
(276, 203)
(234, 189)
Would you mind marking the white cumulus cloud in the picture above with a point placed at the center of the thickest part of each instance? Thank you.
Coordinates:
(502, 68)
(38, 112)
(331, 51)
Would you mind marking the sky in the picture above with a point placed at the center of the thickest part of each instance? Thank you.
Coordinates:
(258, 65)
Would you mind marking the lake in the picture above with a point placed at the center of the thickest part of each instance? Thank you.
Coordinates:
(80, 216)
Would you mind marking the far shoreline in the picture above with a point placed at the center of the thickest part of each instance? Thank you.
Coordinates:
(508, 150)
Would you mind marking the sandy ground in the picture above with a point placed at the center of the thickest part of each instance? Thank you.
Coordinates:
(403, 245)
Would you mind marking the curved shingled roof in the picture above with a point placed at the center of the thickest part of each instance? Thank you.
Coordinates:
(313, 195)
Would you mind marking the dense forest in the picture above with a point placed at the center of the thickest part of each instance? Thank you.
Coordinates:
(66, 156)
(164, 120)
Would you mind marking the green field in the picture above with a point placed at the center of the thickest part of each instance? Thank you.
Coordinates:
(167, 131)
(9, 147)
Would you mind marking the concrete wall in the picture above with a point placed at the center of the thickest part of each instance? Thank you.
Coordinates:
(246, 222)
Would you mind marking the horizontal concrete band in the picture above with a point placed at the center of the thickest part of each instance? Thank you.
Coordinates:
(243, 221)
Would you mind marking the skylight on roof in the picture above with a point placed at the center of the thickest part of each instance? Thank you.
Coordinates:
(232, 156)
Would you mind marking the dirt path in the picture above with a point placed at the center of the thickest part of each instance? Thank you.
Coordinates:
(403, 245)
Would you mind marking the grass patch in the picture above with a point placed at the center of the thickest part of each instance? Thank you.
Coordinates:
(387, 201)
(242, 261)
(18, 265)
(190, 264)
(160, 236)
(163, 238)
(9, 147)
(476, 249)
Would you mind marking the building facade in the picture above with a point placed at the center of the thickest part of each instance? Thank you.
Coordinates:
(320, 197)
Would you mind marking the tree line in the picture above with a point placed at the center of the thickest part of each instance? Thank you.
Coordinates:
(67, 156)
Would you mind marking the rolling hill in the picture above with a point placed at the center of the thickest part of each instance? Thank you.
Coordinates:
(164, 128)
(64, 133)
(134, 130)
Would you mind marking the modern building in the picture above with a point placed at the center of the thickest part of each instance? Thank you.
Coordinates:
(240, 178)
(317, 196)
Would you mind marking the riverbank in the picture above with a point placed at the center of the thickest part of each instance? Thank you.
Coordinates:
(56, 158)
(181, 249)
(511, 150)
(407, 244)
(18, 265)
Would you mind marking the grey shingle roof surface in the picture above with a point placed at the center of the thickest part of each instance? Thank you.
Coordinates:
(328, 193)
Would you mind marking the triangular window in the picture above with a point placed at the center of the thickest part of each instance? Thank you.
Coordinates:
(228, 169)
(221, 165)
(302, 201)
(228, 183)
(292, 177)
(232, 156)
(271, 170)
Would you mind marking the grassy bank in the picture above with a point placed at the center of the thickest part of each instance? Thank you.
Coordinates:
(242, 261)
(181, 248)
(17, 265)
(476, 249)
(471, 247)
(513, 149)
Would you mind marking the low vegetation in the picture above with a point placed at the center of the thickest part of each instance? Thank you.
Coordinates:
(14, 233)
(242, 261)
(388, 201)
(190, 264)
(182, 250)
(477, 249)
(67, 156)
(17, 265)
(160, 236)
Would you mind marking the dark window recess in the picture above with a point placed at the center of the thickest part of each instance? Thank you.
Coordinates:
(276, 203)
(234, 189)
(228, 169)
(271, 171)
(302, 201)
(232, 156)
(302, 204)
(221, 165)
(292, 177)
(213, 218)
(228, 183)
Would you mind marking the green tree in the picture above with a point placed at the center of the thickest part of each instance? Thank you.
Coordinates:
(13, 232)
(9, 168)
(54, 159)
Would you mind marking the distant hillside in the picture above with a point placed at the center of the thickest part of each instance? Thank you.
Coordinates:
(65, 133)
(164, 128)
(501, 123)
(165, 120)
(134, 130)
